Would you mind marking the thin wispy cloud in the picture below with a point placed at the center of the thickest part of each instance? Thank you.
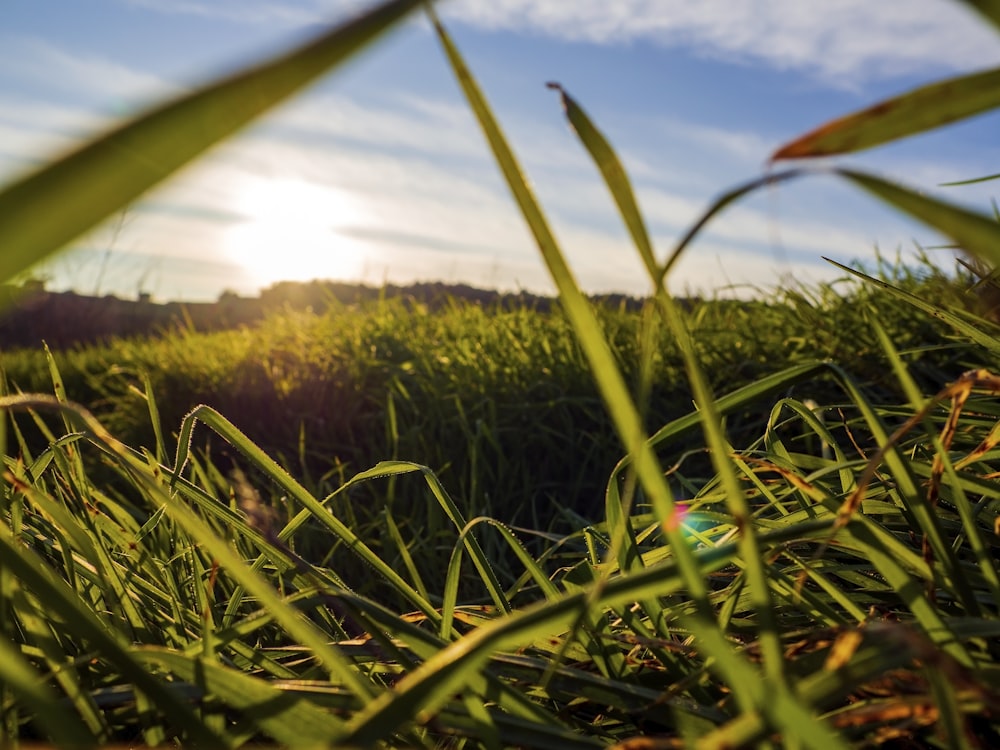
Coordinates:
(32, 129)
(57, 70)
(274, 14)
(394, 122)
(844, 42)
(413, 161)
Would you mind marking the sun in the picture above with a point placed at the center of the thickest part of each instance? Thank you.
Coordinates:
(293, 231)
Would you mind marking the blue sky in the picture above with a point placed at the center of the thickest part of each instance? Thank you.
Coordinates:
(378, 173)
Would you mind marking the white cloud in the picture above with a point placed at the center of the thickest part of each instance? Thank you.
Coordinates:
(423, 167)
(428, 218)
(842, 41)
(55, 69)
(431, 127)
(250, 12)
(845, 42)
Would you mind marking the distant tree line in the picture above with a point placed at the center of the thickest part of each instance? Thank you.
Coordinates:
(30, 315)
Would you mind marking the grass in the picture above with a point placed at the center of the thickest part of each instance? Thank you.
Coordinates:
(102, 519)
(797, 544)
(457, 390)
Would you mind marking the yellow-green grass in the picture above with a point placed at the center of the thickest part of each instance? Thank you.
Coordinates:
(826, 580)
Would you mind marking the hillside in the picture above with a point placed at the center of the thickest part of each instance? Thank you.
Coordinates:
(30, 315)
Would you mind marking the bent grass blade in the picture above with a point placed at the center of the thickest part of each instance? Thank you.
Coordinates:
(603, 366)
(615, 177)
(916, 111)
(421, 692)
(620, 187)
(287, 718)
(311, 506)
(960, 324)
(975, 233)
(62, 727)
(720, 204)
(293, 621)
(46, 210)
(623, 412)
(989, 9)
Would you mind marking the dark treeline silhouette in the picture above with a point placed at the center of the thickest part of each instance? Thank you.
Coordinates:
(30, 315)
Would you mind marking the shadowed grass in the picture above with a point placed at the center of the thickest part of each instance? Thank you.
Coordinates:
(828, 580)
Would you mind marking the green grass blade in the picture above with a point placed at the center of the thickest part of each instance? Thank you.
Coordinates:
(620, 188)
(960, 324)
(35, 576)
(914, 112)
(609, 379)
(311, 505)
(452, 578)
(287, 718)
(403, 550)
(988, 9)
(615, 177)
(479, 559)
(721, 203)
(421, 692)
(149, 396)
(741, 398)
(973, 181)
(43, 212)
(39, 630)
(625, 415)
(980, 549)
(224, 554)
(602, 362)
(975, 233)
(63, 728)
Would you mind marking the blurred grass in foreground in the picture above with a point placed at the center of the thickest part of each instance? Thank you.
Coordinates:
(829, 580)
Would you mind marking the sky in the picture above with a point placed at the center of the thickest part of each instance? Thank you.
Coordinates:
(379, 174)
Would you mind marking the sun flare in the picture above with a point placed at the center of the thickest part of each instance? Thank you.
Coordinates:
(292, 231)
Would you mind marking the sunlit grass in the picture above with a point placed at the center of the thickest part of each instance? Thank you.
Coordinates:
(794, 544)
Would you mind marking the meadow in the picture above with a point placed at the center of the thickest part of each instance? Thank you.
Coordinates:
(497, 401)
(720, 524)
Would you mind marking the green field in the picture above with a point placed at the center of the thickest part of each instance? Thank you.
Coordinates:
(501, 419)
(498, 402)
(720, 524)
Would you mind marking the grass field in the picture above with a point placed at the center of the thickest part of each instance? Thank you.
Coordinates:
(504, 425)
(763, 524)
(500, 403)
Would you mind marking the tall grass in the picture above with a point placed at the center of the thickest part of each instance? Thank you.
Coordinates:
(831, 581)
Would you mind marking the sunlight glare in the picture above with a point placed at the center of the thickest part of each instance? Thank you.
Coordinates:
(290, 231)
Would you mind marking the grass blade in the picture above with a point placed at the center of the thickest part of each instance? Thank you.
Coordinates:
(35, 576)
(975, 233)
(423, 690)
(136, 156)
(719, 204)
(311, 505)
(621, 190)
(988, 9)
(914, 112)
(973, 181)
(614, 175)
(149, 479)
(960, 324)
(603, 366)
(63, 728)
(286, 717)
